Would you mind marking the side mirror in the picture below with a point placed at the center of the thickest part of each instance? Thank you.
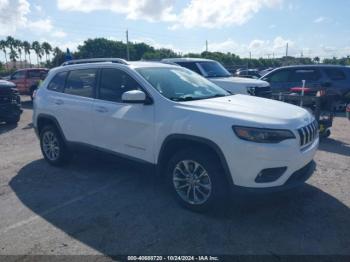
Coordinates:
(134, 97)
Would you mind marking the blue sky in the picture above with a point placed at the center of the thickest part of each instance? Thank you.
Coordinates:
(262, 27)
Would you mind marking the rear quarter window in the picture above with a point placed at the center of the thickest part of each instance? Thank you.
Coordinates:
(335, 74)
(81, 82)
(58, 82)
(306, 74)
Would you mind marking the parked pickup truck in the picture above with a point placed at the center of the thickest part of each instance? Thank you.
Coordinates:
(10, 103)
(27, 80)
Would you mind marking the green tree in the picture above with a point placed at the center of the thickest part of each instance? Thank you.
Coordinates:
(36, 46)
(19, 47)
(3, 47)
(27, 47)
(47, 48)
(58, 57)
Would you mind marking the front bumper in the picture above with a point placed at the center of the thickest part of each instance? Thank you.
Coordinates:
(9, 111)
(247, 160)
(298, 178)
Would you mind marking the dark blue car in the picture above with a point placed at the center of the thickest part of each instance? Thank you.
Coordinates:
(334, 80)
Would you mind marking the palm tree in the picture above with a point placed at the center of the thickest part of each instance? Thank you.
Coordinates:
(3, 46)
(13, 55)
(47, 48)
(27, 46)
(317, 60)
(19, 46)
(38, 51)
(11, 43)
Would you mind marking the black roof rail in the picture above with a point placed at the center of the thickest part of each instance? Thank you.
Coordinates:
(95, 60)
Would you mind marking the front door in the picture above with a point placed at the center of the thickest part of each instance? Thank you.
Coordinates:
(123, 128)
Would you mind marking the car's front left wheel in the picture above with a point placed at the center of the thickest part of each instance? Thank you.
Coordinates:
(197, 179)
(52, 146)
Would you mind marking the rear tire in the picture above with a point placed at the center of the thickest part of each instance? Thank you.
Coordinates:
(53, 146)
(197, 179)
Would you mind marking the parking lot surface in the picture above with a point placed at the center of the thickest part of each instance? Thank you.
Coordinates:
(101, 205)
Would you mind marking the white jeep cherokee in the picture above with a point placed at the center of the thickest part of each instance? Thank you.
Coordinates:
(203, 139)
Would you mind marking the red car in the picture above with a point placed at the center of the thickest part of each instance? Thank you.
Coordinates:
(27, 80)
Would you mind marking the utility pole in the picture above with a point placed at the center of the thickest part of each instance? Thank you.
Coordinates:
(287, 47)
(206, 46)
(127, 46)
(250, 59)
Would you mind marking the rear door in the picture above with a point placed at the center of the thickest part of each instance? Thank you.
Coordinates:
(73, 104)
(338, 81)
(123, 128)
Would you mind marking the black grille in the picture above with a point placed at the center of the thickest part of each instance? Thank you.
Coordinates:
(5, 99)
(308, 133)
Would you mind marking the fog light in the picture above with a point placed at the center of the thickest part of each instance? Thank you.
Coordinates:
(270, 175)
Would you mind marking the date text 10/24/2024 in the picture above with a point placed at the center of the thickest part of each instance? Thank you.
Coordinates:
(172, 258)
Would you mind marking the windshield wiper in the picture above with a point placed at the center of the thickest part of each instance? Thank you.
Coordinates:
(187, 98)
(215, 96)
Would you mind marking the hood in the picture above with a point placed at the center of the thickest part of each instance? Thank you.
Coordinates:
(253, 111)
(6, 88)
(247, 82)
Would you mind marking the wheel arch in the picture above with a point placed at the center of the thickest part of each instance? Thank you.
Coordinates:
(44, 120)
(176, 142)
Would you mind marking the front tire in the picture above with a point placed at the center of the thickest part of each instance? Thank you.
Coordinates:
(53, 147)
(197, 179)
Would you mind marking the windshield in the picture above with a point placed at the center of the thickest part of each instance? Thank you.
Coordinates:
(179, 84)
(214, 69)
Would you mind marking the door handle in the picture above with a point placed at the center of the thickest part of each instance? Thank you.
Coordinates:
(59, 102)
(101, 109)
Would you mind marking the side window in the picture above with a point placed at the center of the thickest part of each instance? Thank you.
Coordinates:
(280, 76)
(81, 82)
(305, 74)
(191, 66)
(335, 74)
(57, 83)
(19, 75)
(114, 83)
(34, 74)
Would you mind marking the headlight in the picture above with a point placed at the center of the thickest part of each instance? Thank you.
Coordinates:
(262, 135)
(251, 91)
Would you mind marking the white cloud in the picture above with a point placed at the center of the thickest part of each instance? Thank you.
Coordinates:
(13, 14)
(150, 10)
(16, 15)
(59, 34)
(198, 13)
(228, 45)
(210, 14)
(258, 47)
(281, 43)
(40, 26)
